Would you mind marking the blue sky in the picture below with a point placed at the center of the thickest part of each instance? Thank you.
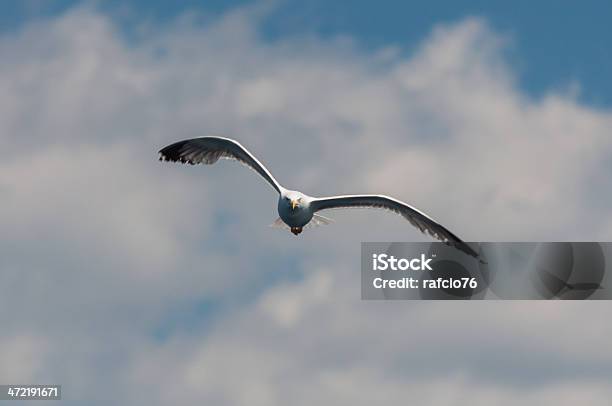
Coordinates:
(555, 44)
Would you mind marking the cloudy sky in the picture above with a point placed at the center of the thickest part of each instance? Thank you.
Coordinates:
(133, 282)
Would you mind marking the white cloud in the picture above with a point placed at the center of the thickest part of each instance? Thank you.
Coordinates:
(23, 356)
(104, 247)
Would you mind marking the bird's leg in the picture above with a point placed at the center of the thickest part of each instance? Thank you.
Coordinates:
(296, 230)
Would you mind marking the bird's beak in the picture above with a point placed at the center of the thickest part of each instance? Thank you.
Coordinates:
(294, 204)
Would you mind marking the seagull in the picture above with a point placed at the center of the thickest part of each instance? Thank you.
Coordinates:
(296, 209)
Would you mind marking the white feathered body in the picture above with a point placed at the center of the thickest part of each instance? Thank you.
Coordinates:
(298, 216)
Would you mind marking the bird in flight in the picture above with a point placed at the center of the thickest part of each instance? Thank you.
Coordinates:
(296, 209)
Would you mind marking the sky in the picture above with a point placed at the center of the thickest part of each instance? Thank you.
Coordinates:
(553, 44)
(165, 282)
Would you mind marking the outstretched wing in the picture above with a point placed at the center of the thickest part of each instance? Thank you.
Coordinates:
(208, 150)
(415, 217)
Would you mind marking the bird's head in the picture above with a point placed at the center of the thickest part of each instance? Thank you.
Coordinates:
(295, 200)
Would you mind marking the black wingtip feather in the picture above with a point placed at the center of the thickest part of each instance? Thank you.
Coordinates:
(173, 152)
(468, 250)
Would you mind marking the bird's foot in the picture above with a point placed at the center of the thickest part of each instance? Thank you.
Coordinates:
(296, 230)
